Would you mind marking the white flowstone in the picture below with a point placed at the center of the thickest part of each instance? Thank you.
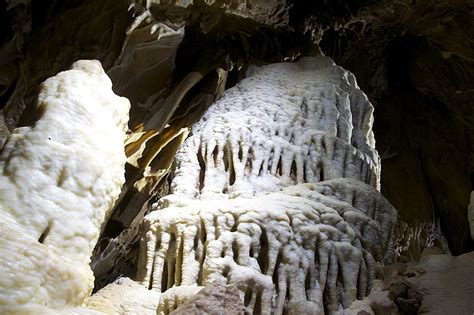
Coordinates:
(307, 246)
(276, 193)
(59, 180)
(125, 296)
(286, 123)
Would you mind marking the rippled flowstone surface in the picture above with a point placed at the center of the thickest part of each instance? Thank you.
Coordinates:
(276, 194)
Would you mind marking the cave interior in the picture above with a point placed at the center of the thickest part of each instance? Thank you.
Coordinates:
(173, 59)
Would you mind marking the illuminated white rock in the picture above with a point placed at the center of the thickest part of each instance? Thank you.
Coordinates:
(276, 193)
(308, 245)
(124, 296)
(285, 124)
(59, 180)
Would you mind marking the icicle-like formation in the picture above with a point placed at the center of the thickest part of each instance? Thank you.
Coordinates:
(285, 124)
(275, 192)
(299, 249)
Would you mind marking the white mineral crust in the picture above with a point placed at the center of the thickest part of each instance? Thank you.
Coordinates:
(59, 180)
(276, 193)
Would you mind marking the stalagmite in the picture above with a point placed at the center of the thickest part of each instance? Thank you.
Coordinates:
(275, 192)
(59, 181)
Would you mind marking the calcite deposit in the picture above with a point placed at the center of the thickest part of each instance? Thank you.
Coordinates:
(273, 202)
(59, 180)
(275, 193)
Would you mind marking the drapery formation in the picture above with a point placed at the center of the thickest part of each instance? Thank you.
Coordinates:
(275, 192)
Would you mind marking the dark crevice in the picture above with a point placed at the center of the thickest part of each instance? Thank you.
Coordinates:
(235, 224)
(279, 170)
(307, 284)
(225, 273)
(324, 150)
(229, 163)
(169, 265)
(164, 277)
(260, 170)
(248, 296)
(202, 168)
(226, 156)
(235, 251)
(262, 258)
(249, 162)
(258, 304)
(271, 157)
(45, 233)
(286, 309)
(320, 168)
(215, 153)
(305, 177)
(241, 152)
(293, 171)
(203, 240)
(275, 276)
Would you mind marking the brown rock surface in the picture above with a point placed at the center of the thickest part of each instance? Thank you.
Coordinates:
(437, 284)
(213, 300)
(447, 286)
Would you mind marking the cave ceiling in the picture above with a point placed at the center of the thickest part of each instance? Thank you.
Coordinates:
(172, 59)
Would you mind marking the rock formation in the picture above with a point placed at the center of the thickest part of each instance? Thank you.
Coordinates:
(60, 179)
(196, 155)
(274, 193)
(437, 284)
(214, 299)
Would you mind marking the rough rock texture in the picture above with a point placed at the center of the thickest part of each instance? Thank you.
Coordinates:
(470, 214)
(285, 124)
(214, 299)
(309, 248)
(447, 284)
(437, 284)
(42, 39)
(377, 302)
(60, 179)
(168, 100)
(270, 12)
(294, 249)
(414, 60)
